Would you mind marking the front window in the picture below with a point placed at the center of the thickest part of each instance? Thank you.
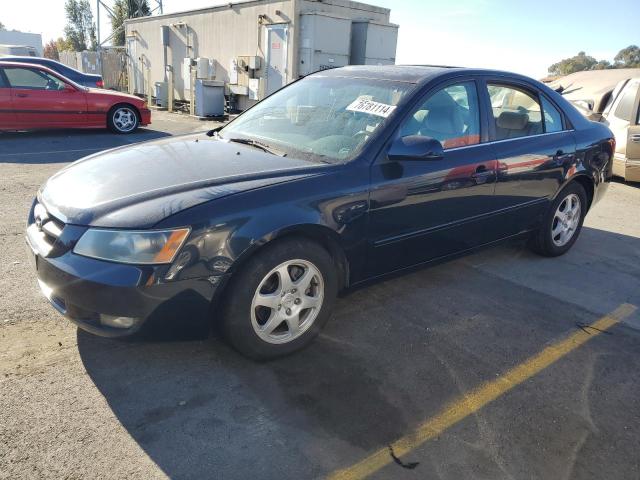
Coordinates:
(27, 78)
(320, 118)
(450, 115)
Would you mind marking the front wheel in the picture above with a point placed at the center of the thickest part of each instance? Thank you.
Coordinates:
(562, 223)
(280, 300)
(122, 119)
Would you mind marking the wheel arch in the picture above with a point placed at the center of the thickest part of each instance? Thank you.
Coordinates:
(322, 235)
(124, 104)
(584, 180)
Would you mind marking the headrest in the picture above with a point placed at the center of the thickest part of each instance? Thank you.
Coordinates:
(513, 120)
(445, 120)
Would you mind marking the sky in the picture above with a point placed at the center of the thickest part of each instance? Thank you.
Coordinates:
(502, 34)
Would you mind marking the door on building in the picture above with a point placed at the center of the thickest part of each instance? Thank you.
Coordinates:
(276, 57)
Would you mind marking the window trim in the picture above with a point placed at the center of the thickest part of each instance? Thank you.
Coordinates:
(421, 99)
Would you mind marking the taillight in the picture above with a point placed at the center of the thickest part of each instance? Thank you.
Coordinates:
(100, 84)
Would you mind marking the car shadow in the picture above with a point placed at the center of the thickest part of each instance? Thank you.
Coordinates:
(58, 146)
(392, 354)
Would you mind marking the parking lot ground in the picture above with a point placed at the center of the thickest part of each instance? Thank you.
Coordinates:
(441, 361)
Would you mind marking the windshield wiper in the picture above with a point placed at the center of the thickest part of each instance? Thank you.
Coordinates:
(260, 145)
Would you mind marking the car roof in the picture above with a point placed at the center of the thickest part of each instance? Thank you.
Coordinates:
(9, 63)
(411, 73)
(23, 58)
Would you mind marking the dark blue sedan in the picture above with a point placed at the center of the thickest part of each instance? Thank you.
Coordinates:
(84, 79)
(340, 178)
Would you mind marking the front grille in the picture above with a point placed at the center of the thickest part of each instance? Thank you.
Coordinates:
(50, 227)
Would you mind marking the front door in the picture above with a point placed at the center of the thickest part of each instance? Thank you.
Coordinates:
(533, 146)
(40, 99)
(276, 57)
(422, 210)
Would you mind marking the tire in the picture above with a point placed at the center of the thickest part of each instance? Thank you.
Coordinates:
(555, 238)
(123, 119)
(267, 316)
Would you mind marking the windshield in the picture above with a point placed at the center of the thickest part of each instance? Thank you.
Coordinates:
(330, 119)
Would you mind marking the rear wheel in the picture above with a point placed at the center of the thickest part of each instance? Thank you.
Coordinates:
(280, 300)
(562, 223)
(122, 119)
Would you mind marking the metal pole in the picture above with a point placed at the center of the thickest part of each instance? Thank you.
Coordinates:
(192, 81)
(170, 90)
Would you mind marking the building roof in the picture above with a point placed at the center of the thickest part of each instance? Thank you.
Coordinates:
(231, 4)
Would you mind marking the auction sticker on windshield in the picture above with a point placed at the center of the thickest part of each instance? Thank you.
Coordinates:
(365, 105)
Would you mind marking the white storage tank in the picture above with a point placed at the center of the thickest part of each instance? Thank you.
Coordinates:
(324, 42)
(373, 43)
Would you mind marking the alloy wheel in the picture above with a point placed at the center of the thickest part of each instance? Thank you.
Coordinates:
(124, 119)
(566, 220)
(287, 301)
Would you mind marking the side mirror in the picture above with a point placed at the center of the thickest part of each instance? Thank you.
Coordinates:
(416, 147)
(68, 88)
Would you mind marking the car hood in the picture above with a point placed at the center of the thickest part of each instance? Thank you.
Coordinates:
(138, 185)
(124, 97)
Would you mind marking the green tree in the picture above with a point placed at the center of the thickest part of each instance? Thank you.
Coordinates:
(122, 10)
(628, 57)
(63, 44)
(580, 62)
(51, 50)
(602, 65)
(80, 30)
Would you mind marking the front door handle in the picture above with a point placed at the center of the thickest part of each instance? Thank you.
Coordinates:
(22, 95)
(635, 138)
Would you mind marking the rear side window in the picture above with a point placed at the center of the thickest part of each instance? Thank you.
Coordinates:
(450, 115)
(552, 117)
(32, 79)
(624, 110)
(516, 113)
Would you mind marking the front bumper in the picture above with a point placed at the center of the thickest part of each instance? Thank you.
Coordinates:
(145, 116)
(92, 293)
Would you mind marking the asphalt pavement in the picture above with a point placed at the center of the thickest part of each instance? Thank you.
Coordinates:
(499, 365)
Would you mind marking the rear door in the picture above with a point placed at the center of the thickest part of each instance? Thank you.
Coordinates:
(41, 99)
(7, 115)
(533, 144)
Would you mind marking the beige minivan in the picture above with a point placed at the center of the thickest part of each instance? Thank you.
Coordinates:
(611, 97)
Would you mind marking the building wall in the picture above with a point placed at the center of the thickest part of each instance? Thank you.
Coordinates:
(220, 33)
(224, 33)
(14, 37)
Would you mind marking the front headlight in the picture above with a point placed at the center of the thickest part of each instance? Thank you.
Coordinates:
(139, 247)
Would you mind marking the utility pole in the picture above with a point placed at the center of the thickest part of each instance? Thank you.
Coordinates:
(105, 5)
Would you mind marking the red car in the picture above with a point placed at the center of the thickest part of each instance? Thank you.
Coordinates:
(35, 97)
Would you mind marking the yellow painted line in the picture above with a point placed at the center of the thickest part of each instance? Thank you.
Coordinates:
(481, 396)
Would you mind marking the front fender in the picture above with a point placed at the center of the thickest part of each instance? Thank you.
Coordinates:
(226, 231)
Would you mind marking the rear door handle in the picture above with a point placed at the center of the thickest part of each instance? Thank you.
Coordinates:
(635, 138)
(22, 95)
